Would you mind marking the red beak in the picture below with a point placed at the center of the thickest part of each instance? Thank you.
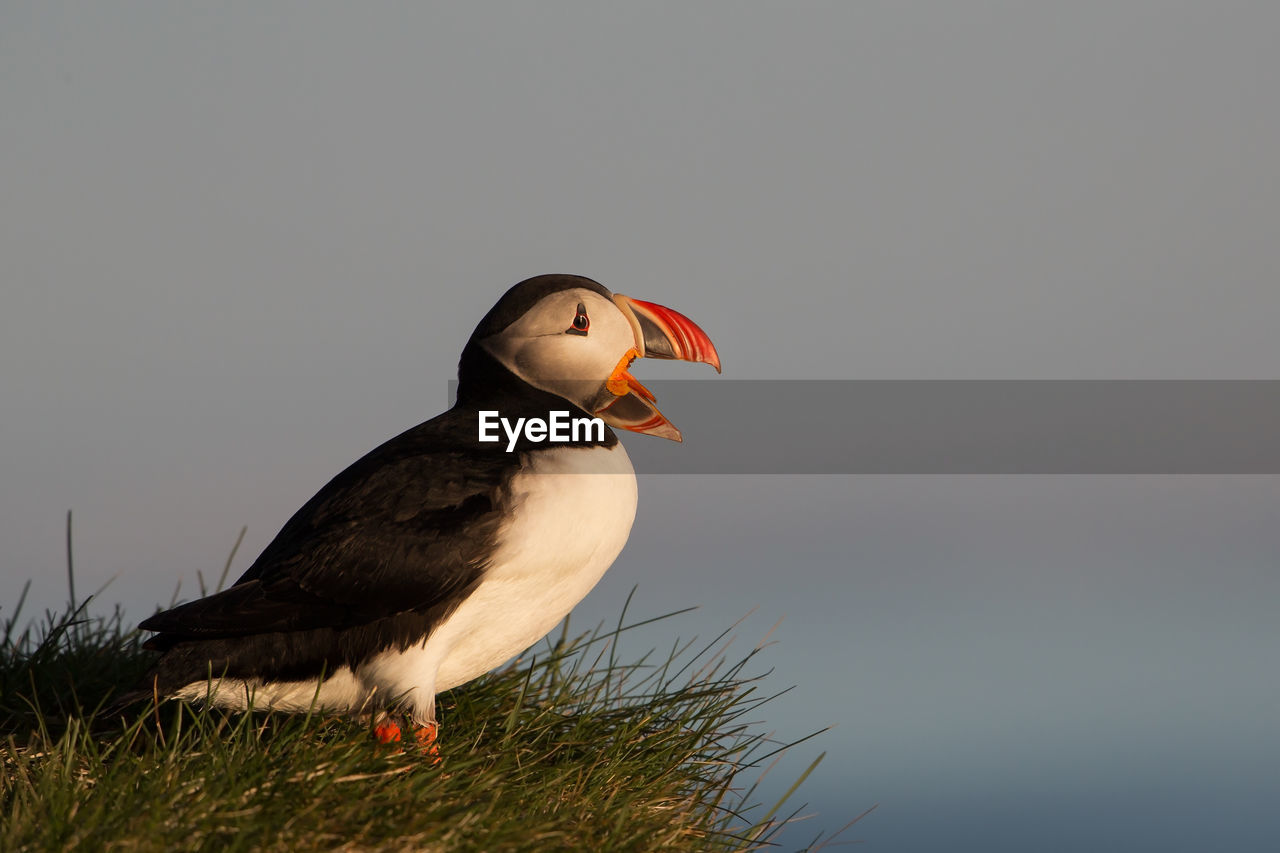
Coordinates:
(660, 332)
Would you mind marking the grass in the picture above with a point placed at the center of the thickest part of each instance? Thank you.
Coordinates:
(571, 748)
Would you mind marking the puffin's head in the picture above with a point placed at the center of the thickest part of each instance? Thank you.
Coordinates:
(571, 337)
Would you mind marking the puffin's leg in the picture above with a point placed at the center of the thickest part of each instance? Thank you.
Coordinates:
(386, 674)
(425, 728)
(426, 738)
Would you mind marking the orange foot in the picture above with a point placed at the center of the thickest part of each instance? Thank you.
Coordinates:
(387, 731)
(426, 738)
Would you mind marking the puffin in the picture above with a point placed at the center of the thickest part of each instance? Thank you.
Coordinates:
(443, 553)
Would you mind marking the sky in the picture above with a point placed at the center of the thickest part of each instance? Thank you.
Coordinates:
(242, 244)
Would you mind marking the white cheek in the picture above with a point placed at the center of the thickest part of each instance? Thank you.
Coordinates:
(592, 357)
(546, 360)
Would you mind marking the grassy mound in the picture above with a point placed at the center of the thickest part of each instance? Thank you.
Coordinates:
(570, 748)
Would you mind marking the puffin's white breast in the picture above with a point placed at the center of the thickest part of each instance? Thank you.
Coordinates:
(572, 511)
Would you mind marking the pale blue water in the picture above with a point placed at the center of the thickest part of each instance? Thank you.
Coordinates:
(1010, 663)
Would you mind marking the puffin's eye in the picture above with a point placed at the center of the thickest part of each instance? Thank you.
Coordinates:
(581, 323)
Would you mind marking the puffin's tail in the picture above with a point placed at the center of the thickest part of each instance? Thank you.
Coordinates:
(182, 661)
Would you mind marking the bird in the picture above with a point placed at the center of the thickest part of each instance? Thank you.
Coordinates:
(438, 555)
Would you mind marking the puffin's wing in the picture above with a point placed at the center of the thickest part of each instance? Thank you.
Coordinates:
(408, 527)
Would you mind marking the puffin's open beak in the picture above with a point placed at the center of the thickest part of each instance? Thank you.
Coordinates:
(659, 333)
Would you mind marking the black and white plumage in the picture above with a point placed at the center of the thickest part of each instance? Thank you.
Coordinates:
(436, 557)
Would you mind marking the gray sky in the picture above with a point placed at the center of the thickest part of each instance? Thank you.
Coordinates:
(242, 244)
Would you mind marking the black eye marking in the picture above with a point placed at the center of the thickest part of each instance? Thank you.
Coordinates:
(581, 323)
